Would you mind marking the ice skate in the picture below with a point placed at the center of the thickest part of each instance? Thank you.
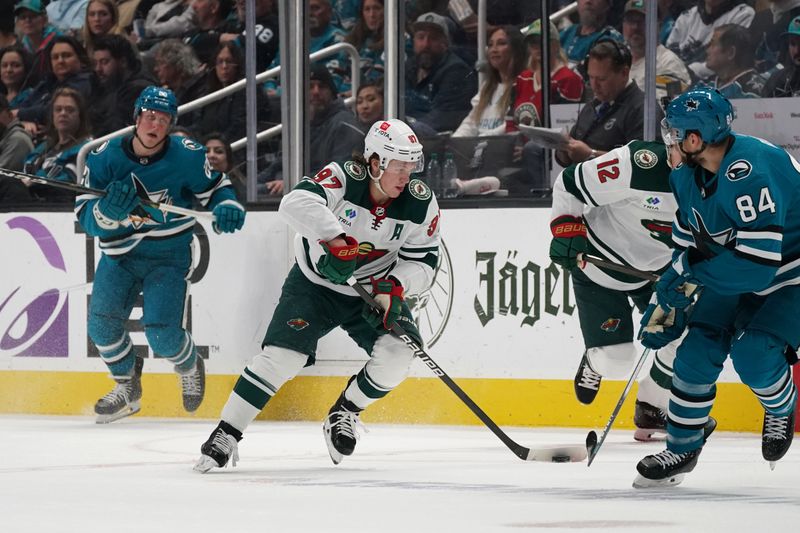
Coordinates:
(124, 399)
(776, 436)
(587, 382)
(193, 386)
(341, 429)
(665, 469)
(222, 446)
(650, 422)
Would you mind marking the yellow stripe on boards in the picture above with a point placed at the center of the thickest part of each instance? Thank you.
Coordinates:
(417, 401)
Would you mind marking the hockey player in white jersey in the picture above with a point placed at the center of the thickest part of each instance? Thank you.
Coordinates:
(364, 218)
(618, 207)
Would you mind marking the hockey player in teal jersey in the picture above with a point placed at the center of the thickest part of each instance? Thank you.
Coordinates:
(738, 240)
(363, 218)
(619, 207)
(148, 251)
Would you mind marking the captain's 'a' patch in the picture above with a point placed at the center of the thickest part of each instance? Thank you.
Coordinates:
(419, 190)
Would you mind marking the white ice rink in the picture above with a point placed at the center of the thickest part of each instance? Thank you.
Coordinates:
(66, 474)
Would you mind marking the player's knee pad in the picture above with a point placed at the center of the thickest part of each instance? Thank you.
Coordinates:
(758, 357)
(390, 361)
(277, 365)
(613, 361)
(104, 331)
(166, 341)
(700, 356)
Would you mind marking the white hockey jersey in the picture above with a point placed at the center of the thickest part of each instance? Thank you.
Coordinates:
(626, 202)
(400, 237)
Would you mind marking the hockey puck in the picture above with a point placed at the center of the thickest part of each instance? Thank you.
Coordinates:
(561, 459)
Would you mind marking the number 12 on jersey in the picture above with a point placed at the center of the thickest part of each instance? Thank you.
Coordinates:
(608, 170)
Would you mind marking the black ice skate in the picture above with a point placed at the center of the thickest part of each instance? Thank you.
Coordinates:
(587, 382)
(650, 422)
(340, 429)
(776, 436)
(193, 385)
(665, 469)
(124, 399)
(222, 446)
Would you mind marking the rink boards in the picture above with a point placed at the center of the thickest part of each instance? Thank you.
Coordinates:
(500, 319)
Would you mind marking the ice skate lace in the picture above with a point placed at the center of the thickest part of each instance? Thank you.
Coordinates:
(775, 427)
(227, 445)
(589, 378)
(347, 423)
(120, 392)
(190, 383)
(668, 458)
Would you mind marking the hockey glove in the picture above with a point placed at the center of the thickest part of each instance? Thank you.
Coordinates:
(569, 240)
(676, 286)
(389, 294)
(339, 263)
(660, 328)
(119, 201)
(228, 217)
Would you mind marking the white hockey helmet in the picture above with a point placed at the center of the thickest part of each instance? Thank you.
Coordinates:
(393, 139)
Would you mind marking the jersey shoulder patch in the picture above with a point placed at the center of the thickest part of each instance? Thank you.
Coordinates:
(100, 148)
(191, 144)
(355, 170)
(645, 158)
(738, 170)
(419, 189)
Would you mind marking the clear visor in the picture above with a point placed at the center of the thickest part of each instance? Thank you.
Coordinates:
(670, 135)
(409, 167)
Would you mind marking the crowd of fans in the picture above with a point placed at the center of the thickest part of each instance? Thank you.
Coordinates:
(70, 70)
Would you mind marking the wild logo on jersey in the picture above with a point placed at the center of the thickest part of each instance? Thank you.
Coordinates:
(659, 230)
(144, 215)
(710, 244)
(367, 253)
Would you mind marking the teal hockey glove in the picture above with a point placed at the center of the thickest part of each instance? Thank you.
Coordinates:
(389, 294)
(660, 328)
(339, 263)
(119, 201)
(569, 240)
(676, 286)
(229, 217)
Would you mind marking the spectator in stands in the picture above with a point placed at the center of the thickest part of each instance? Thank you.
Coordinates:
(120, 80)
(8, 36)
(615, 115)
(367, 37)
(169, 18)
(36, 33)
(15, 65)
(369, 103)
(56, 155)
(68, 66)
(266, 29)
(766, 32)
(592, 25)
(212, 22)
(323, 34)
(731, 57)
(669, 67)
(228, 116)
(566, 85)
(177, 68)
(786, 82)
(15, 143)
(505, 52)
(220, 157)
(439, 85)
(67, 16)
(102, 18)
(694, 27)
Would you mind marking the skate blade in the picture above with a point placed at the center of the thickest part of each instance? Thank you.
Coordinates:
(772, 465)
(131, 409)
(650, 435)
(642, 482)
(204, 464)
(336, 456)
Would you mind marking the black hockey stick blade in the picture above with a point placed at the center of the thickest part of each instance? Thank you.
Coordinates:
(591, 446)
(558, 454)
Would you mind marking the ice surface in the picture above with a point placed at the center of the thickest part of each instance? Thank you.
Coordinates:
(66, 474)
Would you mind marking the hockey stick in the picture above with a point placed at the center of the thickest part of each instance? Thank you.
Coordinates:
(556, 454)
(80, 189)
(593, 444)
(649, 276)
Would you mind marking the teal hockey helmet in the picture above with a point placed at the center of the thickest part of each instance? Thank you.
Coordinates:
(704, 110)
(155, 98)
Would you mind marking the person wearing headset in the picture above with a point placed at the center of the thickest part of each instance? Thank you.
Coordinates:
(615, 114)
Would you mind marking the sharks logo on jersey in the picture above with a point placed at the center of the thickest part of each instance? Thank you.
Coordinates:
(738, 170)
(710, 244)
(146, 215)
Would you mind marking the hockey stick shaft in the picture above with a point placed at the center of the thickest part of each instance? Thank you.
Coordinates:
(594, 447)
(520, 451)
(649, 276)
(80, 189)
